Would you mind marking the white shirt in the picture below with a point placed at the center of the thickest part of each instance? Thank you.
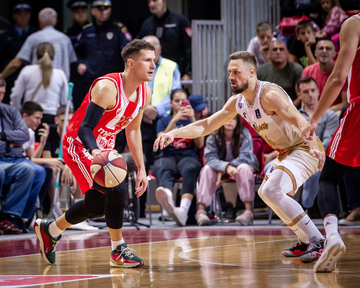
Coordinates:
(31, 142)
(64, 50)
(50, 98)
(254, 47)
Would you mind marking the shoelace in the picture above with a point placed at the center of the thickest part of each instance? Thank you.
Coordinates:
(313, 243)
(127, 252)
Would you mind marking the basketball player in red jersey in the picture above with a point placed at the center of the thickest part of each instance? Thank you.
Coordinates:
(114, 102)
(342, 152)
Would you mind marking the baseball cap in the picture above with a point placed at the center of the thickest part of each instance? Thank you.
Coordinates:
(21, 6)
(197, 102)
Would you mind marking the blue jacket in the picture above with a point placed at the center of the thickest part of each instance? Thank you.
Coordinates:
(246, 154)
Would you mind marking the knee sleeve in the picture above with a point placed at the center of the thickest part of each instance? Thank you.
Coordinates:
(115, 202)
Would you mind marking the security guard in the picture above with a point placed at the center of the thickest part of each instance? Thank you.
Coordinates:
(12, 40)
(100, 44)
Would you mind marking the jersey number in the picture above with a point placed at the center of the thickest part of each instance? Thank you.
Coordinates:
(124, 121)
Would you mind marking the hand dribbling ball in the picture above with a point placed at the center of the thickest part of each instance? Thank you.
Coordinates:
(108, 168)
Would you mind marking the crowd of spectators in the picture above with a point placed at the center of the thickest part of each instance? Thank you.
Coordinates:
(38, 64)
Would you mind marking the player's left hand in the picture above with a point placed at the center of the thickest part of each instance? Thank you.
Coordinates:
(141, 182)
(320, 155)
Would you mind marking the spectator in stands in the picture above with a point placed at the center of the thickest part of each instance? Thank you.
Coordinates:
(332, 17)
(179, 159)
(173, 31)
(14, 133)
(12, 40)
(259, 45)
(228, 150)
(280, 71)
(328, 123)
(198, 103)
(303, 46)
(80, 17)
(321, 70)
(42, 84)
(64, 51)
(99, 47)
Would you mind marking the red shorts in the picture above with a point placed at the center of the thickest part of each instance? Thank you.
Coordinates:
(343, 146)
(79, 160)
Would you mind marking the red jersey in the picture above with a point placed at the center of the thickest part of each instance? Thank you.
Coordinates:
(354, 76)
(113, 120)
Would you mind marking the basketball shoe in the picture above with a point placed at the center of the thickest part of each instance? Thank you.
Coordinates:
(295, 250)
(334, 249)
(122, 257)
(313, 251)
(202, 218)
(47, 243)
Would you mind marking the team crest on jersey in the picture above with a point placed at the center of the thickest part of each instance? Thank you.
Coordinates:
(141, 107)
(109, 35)
(240, 105)
(257, 113)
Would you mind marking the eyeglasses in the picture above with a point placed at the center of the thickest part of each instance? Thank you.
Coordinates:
(102, 7)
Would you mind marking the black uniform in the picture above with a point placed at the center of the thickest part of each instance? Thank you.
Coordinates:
(174, 33)
(10, 44)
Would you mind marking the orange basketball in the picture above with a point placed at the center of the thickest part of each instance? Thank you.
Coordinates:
(108, 168)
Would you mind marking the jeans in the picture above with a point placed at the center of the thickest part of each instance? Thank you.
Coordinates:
(19, 177)
(310, 190)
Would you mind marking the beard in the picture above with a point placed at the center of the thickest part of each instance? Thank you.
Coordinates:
(240, 89)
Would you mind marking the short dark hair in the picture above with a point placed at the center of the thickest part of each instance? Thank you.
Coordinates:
(247, 57)
(306, 80)
(30, 107)
(303, 24)
(264, 26)
(62, 110)
(134, 47)
(324, 39)
(2, 82)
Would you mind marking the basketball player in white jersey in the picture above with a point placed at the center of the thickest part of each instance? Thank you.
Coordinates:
(270, 111)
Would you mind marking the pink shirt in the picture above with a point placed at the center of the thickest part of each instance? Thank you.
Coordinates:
(315, 72)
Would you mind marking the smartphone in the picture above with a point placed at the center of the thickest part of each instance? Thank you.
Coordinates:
(185, 103)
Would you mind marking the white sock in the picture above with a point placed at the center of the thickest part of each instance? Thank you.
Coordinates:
(185, 204)
(308, 228)
(300, 234)
(54, 230)
(331, 225)
(115, 244)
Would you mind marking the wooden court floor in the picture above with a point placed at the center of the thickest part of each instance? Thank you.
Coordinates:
(176, 258)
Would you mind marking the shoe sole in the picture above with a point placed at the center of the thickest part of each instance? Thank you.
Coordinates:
(349, 223)
(178, 222)
(127, 265)
(163, 200)
(39, 236)
(328, 264)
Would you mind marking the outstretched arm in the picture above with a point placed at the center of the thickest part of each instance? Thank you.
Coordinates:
(201, 127)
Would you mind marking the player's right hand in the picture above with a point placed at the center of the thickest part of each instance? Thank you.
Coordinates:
(163, 141)
(307, 131)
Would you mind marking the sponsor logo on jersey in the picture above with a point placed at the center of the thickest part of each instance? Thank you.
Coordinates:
(262, 127)
(257, 113)
(104, 133)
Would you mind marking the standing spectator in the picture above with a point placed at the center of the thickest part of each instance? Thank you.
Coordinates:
(178, 159)
(79, 15)
(321, 70)
(259, 45)
(99, 46)
(64, 51)
(12, 40)
(42, 84)
(280, 71)
(309, 94)
(174, 33)
(228, 151)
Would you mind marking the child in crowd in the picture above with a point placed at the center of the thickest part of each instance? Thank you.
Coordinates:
(179, 159)
(332, 17)
(259, 45)
(228, 150)
(303, 46)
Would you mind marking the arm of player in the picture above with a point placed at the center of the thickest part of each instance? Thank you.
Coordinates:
(274, 100)
(202, 127)
(349, 41)
(134, 141)
(103, 96)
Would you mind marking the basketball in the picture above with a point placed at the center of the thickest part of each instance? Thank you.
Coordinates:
(108, 168)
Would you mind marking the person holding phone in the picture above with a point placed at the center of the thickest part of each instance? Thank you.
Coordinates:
(178, 160)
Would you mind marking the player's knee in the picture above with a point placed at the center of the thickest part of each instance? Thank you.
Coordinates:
(269, 193)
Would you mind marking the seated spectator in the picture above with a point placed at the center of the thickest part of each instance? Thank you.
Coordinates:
(198, 103)
(327, 125)
(179, 159)
(280, 71)
(259, 45)
(303, 46)
(42, 84)
(321, 70)
(310, 8)
(332, 17)
(229, 151)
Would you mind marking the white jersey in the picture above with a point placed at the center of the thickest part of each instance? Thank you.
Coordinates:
(279, 134)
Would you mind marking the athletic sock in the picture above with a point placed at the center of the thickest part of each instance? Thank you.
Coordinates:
(308, 228)
(300, 234)
(331, 225)
(115, 244)
(185, 203)
(54, 230)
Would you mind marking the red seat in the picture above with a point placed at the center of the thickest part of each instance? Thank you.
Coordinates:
(351, 12)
